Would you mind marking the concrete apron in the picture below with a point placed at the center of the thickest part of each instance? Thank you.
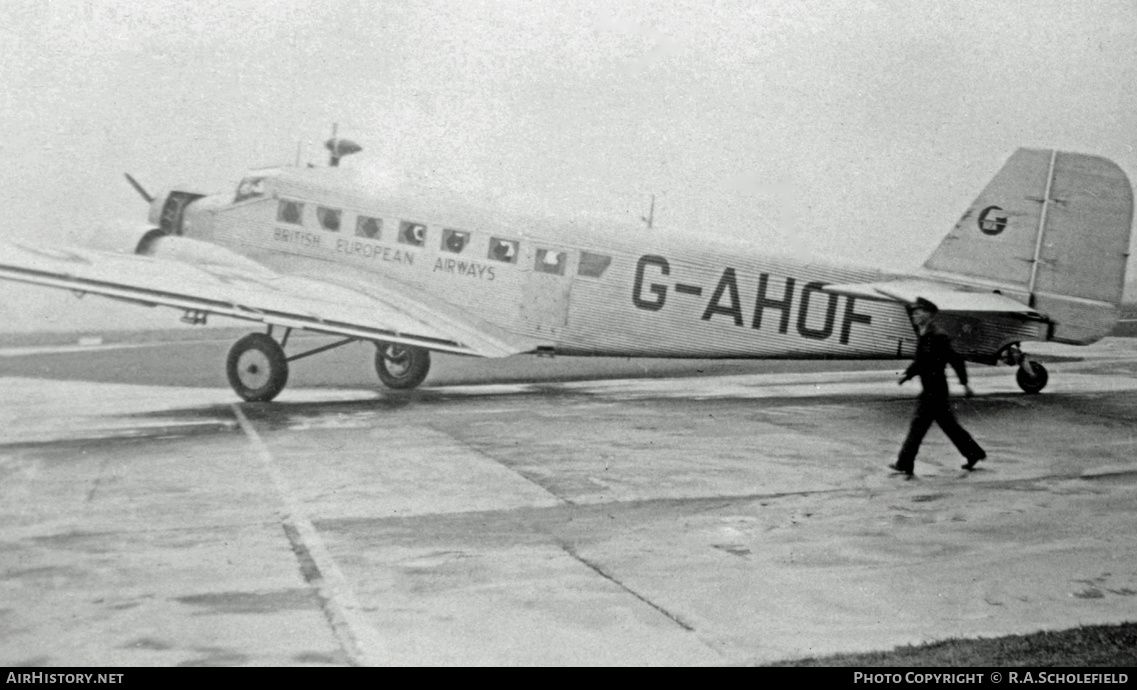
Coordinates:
(723, 520)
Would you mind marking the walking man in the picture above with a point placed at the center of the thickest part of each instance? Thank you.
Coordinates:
(933, 353)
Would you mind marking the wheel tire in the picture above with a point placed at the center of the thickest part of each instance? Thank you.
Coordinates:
(257, 368)
(401, 367)
(1035, 384)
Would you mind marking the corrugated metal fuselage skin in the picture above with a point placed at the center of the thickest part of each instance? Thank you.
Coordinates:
(659, 295)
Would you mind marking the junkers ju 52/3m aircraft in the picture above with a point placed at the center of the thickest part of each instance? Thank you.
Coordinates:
(1039, 256)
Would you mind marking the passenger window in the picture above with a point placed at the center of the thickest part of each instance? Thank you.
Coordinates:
(329, 218)
(550, 261)
(454, 241)
(412, 233)
(289, 211)
(503, 250)
(593, 265)
(368, 227)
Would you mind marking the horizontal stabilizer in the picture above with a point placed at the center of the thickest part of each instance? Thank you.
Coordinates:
(947, 297)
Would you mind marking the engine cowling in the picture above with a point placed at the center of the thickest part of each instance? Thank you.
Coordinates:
(192, 251)
(124, 239)
(168, 209)
(151, 241)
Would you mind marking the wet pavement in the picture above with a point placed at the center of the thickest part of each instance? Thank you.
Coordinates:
(728, 519)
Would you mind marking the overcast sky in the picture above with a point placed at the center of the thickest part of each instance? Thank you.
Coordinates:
(857, 131)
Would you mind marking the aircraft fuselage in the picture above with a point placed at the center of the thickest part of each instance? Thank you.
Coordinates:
(566, 289)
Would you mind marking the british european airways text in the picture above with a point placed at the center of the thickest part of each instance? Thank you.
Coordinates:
(357, 248)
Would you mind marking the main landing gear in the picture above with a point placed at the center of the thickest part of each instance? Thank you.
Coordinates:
(258, 368)
(401, 366)
(1031, 376)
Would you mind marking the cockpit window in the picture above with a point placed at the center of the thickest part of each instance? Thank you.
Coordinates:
(329, 218)
(550, 261)
(593, 265)
(290, 211)
(412, 233)
(249, 188)
(368, 227)
(503, 250)
(454, 241)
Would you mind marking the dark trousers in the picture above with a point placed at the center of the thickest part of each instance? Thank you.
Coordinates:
(936, 409)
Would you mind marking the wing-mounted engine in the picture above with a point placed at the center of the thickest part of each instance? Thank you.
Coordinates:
(124, 239)
(155, 242)
(196, 252)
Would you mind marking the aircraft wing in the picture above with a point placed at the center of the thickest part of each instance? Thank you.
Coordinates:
(948, 298)
(254, 293)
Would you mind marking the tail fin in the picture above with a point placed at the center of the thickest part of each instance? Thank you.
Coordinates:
(1052, 229)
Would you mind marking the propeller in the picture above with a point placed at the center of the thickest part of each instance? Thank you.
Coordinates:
(138, 188)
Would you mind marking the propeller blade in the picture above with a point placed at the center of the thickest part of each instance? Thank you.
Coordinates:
(138, 188)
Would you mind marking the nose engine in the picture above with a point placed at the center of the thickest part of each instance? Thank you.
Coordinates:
(170, 216)
(168, 211)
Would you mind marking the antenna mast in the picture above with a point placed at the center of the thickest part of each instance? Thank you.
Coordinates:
(650, 218)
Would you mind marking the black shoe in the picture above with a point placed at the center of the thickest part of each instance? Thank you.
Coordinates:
(970, 464)
(897, 468)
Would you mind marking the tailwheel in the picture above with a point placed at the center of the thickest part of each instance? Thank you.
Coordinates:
(1034, 380)
(257, 368)
(401, 366)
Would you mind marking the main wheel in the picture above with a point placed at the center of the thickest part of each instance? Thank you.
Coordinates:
(257, 368)
(1032, 384)
(401, 366)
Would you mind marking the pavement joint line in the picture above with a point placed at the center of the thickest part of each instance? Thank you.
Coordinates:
(568, 549)
(359, 639)
(492, 459)
(98, 479)
(959, 480)
(674, 618)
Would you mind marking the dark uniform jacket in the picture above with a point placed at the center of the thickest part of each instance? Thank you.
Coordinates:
(933, 353)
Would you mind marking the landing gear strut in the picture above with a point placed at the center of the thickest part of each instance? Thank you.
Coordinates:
(258, 368)
(1031, 376)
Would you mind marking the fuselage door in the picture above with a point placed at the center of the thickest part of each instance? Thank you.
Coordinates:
(548, 284)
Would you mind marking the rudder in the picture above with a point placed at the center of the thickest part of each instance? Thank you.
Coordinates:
(1052, 229)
